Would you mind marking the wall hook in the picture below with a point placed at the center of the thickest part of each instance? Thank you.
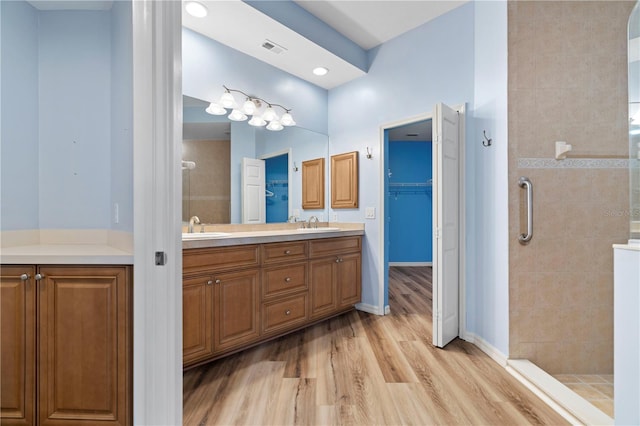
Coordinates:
(487, 141)
(295, 168)
(368, 153)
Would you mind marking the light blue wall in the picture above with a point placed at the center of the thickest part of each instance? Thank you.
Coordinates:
(410, 208)
(19, 122)
(122, 114)
(208, 65)
(408, 76)
(75, 131)
(487, 182)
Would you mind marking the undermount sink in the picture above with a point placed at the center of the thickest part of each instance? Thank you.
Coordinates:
(203, 235)
(319, 229)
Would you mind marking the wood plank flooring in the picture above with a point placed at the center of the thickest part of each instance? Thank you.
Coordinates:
(362, 369)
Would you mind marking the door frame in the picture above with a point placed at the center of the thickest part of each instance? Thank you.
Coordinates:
(289, 152)
(383, 269)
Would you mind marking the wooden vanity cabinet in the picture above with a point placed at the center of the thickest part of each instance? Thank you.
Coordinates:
(335, 274)
(264, 291)
(18, 348)
(81, 363)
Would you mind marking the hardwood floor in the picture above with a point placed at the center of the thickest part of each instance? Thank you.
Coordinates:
(362, 369)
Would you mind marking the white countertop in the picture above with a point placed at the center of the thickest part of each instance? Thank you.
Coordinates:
(65, 254)
(268, 236)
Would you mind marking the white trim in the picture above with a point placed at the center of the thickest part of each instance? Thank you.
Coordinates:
(382, 221)
(371, 309)
(410, 264)
(485, 347)
(157, 190)
(462, 228)
(563, 400)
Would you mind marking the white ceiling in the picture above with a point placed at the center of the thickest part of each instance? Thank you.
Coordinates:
(419, 131)
(366, 22)
(370, 23)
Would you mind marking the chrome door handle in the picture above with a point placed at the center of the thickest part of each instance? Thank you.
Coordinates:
(524, 182)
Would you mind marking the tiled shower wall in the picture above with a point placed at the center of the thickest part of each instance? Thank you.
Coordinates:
(567, 82)
(206, 191)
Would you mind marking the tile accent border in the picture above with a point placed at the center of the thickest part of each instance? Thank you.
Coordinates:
(574, 163)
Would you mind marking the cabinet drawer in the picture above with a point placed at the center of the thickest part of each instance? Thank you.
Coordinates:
(222, 258)
(282, 252)
(284, 279)
(285, 313)
(331, 246)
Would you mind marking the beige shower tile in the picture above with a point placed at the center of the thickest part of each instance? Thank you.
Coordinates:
(566, 378)
(590, 378)
(549, 357)
(586, 391)
(550, 254)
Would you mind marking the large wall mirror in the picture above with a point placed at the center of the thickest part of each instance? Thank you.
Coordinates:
(213, 148)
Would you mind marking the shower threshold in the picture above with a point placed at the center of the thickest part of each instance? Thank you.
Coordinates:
(573, 407)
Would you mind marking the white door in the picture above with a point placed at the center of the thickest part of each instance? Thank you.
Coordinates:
(253, 191)
(446, 188)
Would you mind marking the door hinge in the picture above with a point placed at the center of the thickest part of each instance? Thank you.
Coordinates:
(437, 233)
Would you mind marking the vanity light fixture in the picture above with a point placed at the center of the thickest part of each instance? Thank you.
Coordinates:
(252, 106)
(195, 9)
(320, 71)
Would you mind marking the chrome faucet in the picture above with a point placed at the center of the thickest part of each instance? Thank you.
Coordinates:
(315, 222)
(195, 220)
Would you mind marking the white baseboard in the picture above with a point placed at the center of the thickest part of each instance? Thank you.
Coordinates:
(410, 263)
(365, 307)
(387, 310)
(486, 347)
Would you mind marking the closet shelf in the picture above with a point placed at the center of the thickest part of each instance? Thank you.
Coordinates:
(410, 184)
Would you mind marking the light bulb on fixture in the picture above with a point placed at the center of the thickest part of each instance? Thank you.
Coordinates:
(257, 121)
(249, 107)
(215, 109)
(269, 114)
(287, 119)
(227, 100)
(274, 126)
(195, 9)
(237, 115)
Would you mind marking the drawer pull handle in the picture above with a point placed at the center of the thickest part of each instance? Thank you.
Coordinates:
(287, 252)
(287, 279)
(218, 281)
(338, 259)
(24, 277)
(287, 312)
(209, 282)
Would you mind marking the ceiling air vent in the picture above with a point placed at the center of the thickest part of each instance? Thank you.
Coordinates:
(412, 135)
(273, 47)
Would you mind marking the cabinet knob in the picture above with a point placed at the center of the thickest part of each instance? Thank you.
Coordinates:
(218, 281)
(209, 282)
(288, 312)
(39, 277)
(337, 260)
(287, 252)
(287, 279)
(24, 277)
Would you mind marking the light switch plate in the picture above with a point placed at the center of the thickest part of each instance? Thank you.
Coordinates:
(370, 213)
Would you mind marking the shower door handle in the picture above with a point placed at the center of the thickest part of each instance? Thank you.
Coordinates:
(525, 183)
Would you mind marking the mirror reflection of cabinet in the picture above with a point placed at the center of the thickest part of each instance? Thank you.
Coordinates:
(344, 180)
(313, 184)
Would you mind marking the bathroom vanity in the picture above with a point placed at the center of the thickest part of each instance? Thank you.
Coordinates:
(244, 288)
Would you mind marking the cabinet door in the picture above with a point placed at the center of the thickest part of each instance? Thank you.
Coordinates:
(313, 184)
(197, 318)
(344, 181)
(17, 349)
(349, 279)
(236, 309)
(322, 286)
(84, 346)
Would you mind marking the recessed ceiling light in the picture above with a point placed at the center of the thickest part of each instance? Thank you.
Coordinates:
(195, 9)
(320, 71)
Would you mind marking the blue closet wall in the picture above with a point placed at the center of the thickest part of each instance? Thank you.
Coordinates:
(410, 207)
(276, 177)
